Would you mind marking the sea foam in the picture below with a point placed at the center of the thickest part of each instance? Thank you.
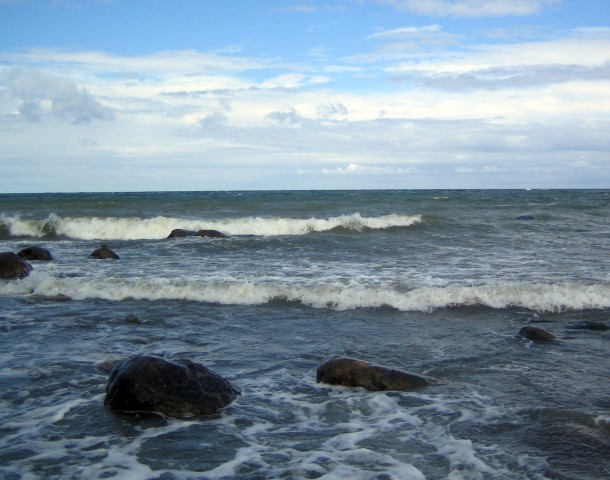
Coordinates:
(339, 295)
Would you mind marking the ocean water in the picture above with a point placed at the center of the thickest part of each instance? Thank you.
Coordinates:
(433, 282)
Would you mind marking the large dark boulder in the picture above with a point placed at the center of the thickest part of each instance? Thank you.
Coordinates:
(103, 253)
(351, 372)
(180, 388)
(211, 234)
(179, 233)
(536, 334)
(35, 253)
(13, 266)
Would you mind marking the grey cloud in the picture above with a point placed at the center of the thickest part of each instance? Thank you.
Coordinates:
(514, 77)
(291, 117)
(213, 120)
(67, 101)
(331, 110)
(32, 111)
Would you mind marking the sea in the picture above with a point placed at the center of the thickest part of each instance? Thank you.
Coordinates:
(435, 282)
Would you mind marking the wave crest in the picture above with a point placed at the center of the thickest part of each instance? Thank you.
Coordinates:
(339, 295)
(134, 228)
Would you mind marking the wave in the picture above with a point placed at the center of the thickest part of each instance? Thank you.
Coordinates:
(337, 295)
(134, 228)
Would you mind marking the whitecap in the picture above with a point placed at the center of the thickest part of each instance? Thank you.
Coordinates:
(136, 228)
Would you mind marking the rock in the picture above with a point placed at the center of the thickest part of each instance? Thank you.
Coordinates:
(60, 297)
(211, 234)
(35, 253)
(132, 319)
(536, 334)
(181, 388)
(526, 217)
(351, 372)
(13, 266)
(104, 252)
(179, 232)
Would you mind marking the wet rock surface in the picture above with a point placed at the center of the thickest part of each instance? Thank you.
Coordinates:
(180, 388)
(13, 266)
(35, 253)
(351, 372)
(536, 334)
(103, 253)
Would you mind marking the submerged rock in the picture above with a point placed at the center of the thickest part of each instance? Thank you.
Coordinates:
(181, 388)
(211, 234)
(13, 266)
(179, 233)
(104, 252)
(133, 319)
(536, 334)
(35, 253)
(60, 297)
(351, 372)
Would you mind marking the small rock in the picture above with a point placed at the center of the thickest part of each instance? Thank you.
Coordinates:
(211, 234)
(132, 319)
(536, 334)
(351, 372)
(13, 266)
(104, 252)
(60, 297)
(35, 253)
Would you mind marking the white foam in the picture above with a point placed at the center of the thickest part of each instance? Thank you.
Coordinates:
(135, 228)
(603, 422)
(321, 293)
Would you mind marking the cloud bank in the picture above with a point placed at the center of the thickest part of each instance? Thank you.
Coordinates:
(417, 106)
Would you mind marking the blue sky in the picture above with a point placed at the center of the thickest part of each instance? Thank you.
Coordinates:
(121, 95)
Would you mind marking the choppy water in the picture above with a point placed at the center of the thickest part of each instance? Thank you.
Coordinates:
(436, 282)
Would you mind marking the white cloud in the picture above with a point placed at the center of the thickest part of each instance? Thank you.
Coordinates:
(407, 31)
(355, 169)
(471, 8)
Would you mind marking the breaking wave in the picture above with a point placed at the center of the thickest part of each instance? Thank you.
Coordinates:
(134, 228)
(338, 295)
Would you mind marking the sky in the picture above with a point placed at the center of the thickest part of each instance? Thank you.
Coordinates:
(163, 95)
